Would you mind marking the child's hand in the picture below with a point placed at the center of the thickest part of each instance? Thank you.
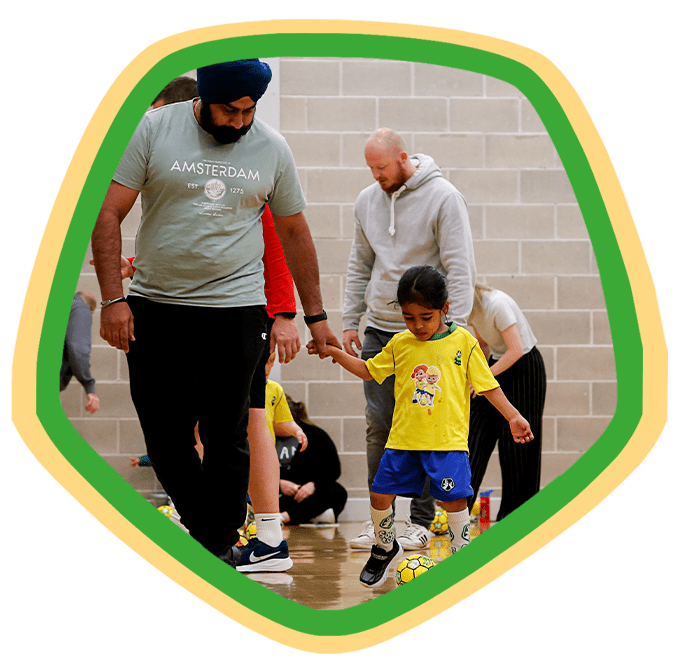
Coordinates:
(313, 349)
(134, 461)
(520, 429)
(304, 491)
(287, 488)
(92, 403)
(301, 438)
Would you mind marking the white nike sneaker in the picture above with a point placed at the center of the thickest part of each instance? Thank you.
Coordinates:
(325, 517)
(365, 539)
(414, 537)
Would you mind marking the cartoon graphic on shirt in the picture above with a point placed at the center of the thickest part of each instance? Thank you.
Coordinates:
(420, 377)
(426, 387)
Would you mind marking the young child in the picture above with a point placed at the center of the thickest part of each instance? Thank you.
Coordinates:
(268, 551)
(427, 439)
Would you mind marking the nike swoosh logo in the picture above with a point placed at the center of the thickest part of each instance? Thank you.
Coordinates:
(256, 559)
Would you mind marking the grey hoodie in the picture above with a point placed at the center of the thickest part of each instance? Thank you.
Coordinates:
(424, 223)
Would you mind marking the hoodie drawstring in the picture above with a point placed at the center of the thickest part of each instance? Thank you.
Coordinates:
(392, 223)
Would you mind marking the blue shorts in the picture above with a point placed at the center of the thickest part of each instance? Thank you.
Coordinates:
(403, 473)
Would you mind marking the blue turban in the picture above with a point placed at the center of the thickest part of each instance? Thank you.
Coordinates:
(227, 82)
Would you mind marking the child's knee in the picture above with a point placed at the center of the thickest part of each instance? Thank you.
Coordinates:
(454, 505)
(380, 501)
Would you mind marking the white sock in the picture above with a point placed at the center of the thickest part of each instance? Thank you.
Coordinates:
(383, 524)
(268, 528)
(460, 529)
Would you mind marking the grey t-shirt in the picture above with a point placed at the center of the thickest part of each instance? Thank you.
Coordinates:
(499, 311)
(200, 239)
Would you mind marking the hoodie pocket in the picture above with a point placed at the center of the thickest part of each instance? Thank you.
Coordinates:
(379, 294)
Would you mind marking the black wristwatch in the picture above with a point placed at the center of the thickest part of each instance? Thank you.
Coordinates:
(285, 315)
(316, 317)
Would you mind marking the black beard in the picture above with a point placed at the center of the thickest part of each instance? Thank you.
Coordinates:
(221, 134)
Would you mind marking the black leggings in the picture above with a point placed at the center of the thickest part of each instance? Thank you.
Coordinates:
(195, 364)
(524, 385)
(327, 496)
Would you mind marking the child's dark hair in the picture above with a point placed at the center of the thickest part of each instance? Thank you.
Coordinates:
(422, 285)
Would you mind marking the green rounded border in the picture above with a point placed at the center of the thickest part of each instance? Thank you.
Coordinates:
(618, 295)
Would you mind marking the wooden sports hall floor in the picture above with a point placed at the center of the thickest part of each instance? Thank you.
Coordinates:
(325, 572)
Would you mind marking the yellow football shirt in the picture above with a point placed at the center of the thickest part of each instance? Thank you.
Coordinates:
(276, 406)
(432, 388)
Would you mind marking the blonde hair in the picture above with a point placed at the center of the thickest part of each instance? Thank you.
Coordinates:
(88, 298)
(478, 292)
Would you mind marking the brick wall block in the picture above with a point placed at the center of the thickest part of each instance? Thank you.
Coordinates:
(99, 434)
(303, 75)
(579, 433)
(486, 186)
(438, 80)
(580, 293)
(452, 150)
(376, 77)
(601, 331)
(496, 257)
(567, 398)
(570, 223)
(516, 151)
(338, 185)
(336, 399)
(293, 113)
(557, 258)
(546, 186)
(341, 114)
(484, 115)
(410, 115)
(592, 363)
(520, 222)
(323, 220)
(603, 398)
(531, 292)
(560, 327)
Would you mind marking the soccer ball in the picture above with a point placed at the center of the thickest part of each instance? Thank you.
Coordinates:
(166, 510)
(439, 526)
(251, 530)
(411, 567)
(243, 540)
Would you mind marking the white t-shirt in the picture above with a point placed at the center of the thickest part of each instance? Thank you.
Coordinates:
(499, 311)
(200, 240)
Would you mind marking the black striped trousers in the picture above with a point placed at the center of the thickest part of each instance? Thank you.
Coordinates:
(524, 384)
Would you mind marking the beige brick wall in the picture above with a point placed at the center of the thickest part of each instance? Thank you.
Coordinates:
(529, 237)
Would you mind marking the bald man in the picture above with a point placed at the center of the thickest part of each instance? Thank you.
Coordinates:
(410, 216)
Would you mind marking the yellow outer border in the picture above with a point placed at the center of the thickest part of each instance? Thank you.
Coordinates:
(651, 329)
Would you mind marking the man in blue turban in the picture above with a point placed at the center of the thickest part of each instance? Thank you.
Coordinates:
(228, 95)
(193, 325)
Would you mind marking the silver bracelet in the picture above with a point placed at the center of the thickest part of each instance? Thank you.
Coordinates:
(105, 303)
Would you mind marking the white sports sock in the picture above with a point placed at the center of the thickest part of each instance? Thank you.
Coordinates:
(383, 525)
(460, 529)
(268, 528)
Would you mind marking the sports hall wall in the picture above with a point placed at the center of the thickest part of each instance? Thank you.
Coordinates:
(530, 240)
